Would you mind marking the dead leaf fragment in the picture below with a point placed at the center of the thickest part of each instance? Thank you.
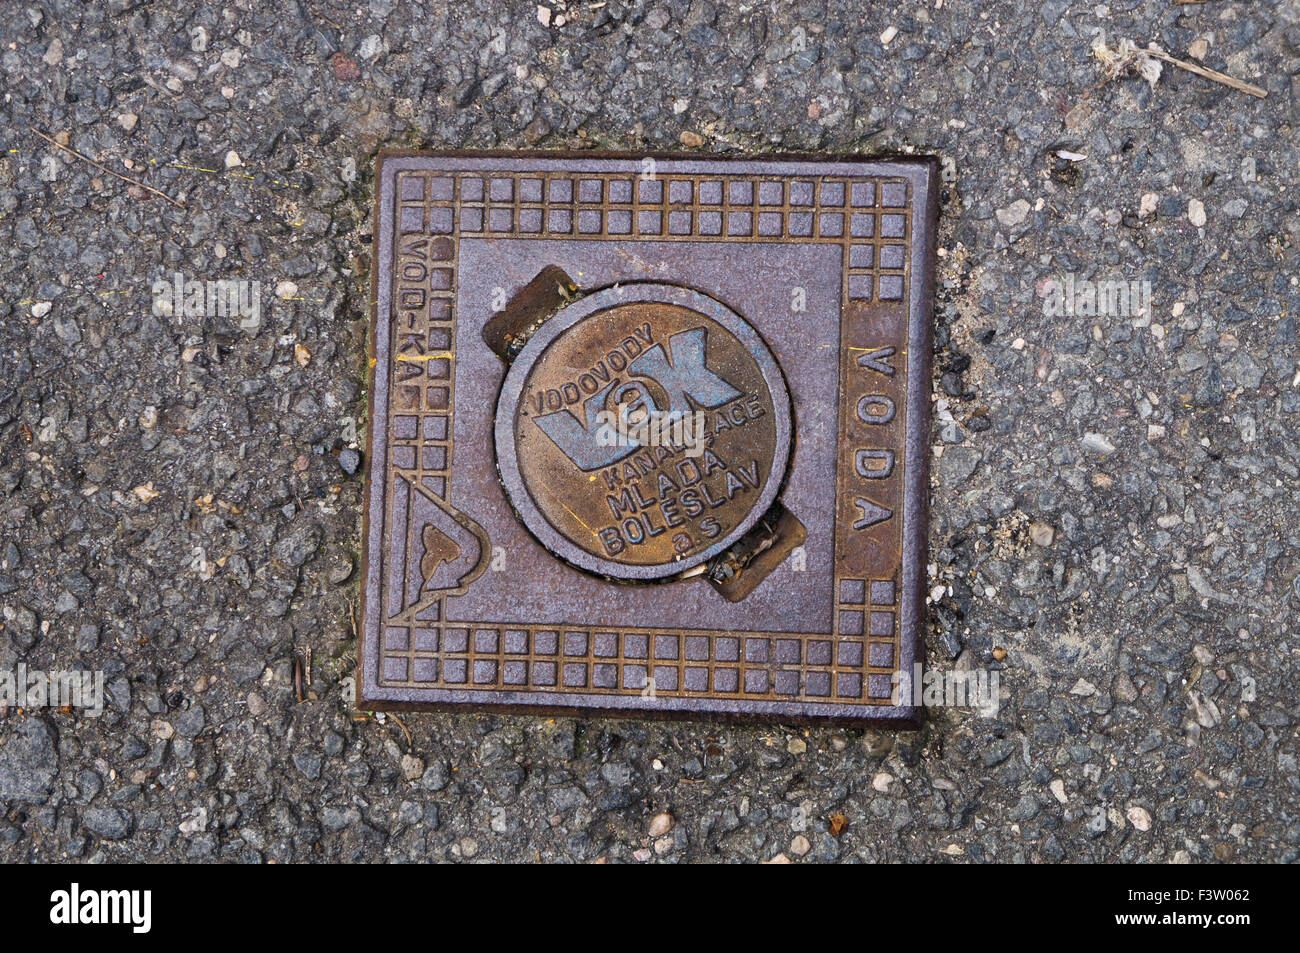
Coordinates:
(146, 493)
(1125, 57)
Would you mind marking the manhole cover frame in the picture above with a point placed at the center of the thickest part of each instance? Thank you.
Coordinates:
(904, 505)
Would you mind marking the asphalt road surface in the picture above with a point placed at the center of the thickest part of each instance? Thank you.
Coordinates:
(1115, 527)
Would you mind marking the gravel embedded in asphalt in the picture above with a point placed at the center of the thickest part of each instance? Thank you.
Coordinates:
(1114, 522)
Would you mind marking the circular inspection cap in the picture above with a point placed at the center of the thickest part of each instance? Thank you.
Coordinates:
(642, 430)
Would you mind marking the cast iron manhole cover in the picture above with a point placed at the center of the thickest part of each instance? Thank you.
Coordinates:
(691, 448)
(649, 436)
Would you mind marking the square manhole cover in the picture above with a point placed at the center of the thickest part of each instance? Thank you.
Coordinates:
(649, 436)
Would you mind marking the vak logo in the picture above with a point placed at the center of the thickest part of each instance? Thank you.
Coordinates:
(679, 374)
(77, 906)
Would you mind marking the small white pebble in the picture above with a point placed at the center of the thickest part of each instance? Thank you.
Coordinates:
(370, 47)
(1013, 214)
(53, 53)
(1098, 443)
(412, 767)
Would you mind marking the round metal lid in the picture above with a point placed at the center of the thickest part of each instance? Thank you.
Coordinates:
(642, 430)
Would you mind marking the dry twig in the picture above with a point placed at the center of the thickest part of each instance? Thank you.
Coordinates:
(1214, 74)
(99, 165)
